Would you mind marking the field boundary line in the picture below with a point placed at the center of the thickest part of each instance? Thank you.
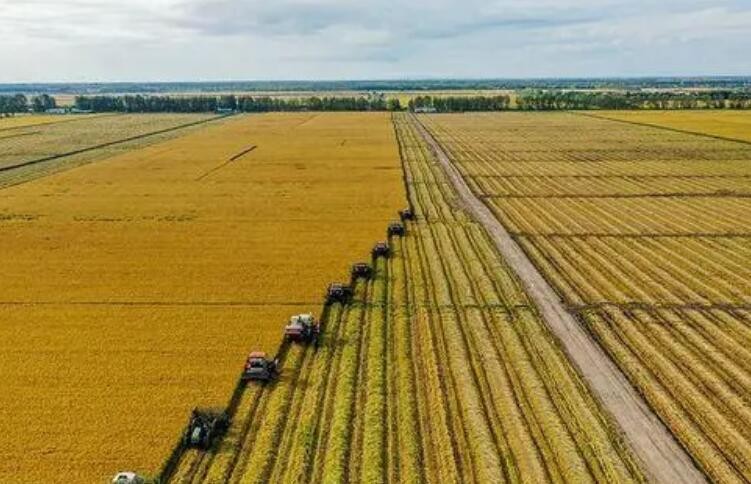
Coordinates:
(108, 144)
(659, 126)
(662, 457)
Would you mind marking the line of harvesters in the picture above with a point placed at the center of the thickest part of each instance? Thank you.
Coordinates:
(207, 425)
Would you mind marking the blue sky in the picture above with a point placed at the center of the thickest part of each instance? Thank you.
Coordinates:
(109, 40)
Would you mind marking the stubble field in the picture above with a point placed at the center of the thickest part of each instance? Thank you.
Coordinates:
(727, 124)
(645, 234)
(133, 287)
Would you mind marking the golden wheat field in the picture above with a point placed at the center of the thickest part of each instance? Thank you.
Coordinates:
(645, 233)
(440, 371)
(727, 124)
(134, 286)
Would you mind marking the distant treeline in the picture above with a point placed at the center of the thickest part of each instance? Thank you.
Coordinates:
(573, 100)
(452, 104)
(248, 104)
(18, 103)
(527, 100)
(559, 100)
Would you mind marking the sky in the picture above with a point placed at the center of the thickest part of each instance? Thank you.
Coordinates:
(195, 40)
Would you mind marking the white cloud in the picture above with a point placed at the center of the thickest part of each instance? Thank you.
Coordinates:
(249, 39)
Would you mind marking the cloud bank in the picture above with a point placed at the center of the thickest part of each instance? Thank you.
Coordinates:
(107, 40)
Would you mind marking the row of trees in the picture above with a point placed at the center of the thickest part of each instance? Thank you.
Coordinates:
(193, 104)
(18, 103)
(528, 100)
(460, 103)
(555, 100)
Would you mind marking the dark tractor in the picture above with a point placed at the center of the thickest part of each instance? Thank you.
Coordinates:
(396, 228)
(406, 214)
(381, 249)
(258, 367)
(204, 426)
(338, 293)
(302, 328)
(361, 269)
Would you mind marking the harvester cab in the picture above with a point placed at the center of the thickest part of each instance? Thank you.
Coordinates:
(381, 249)
(302, 328)
(338, 293)
(396, 228)
(127, 478)
(406, 214)
(204, 426)
(361, 269)
(259, 367)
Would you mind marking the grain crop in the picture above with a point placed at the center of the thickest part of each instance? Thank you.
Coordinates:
(133, 287)
(440, 370)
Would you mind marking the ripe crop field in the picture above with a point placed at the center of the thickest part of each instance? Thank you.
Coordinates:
(133, 287)
(7, 125)
(726, 124)
(645, 233)
(37, 150)
(439, 371)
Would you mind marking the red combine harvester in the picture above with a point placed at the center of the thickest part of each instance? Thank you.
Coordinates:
(302, 328)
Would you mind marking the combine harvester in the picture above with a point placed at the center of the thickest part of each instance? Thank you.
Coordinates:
(381, 249)
(259, 367)
(194, 452)
(205, 426)
(302, 328)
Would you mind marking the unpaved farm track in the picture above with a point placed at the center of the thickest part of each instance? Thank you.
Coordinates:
(664, 460)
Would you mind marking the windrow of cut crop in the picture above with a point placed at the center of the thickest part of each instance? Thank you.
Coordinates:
(333, 456)
(560, 430)
(405, 407)
(640, 231)
(369, 463)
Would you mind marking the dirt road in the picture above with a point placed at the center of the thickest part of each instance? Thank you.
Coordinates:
(663, 459)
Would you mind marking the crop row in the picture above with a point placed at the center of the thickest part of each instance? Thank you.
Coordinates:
(612, 186)
(658, 271)
(693, 369)
(625, 216)
(662, 282)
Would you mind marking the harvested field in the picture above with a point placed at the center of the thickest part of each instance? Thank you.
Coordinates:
(134, 287)
(726, 124)
(644, 233)
(22, 121)
(440, 371)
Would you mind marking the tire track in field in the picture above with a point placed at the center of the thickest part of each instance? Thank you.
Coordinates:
(662, 456)
(328, 398)
(299, 459)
